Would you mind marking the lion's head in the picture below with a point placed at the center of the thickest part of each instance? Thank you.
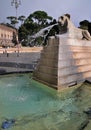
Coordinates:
(62, 20)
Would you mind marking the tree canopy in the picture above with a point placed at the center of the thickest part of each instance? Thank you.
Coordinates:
(85, 24)
(13, 20)
(33, 23)
(40, 17)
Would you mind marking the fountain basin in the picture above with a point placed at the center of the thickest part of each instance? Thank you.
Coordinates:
(35, 106)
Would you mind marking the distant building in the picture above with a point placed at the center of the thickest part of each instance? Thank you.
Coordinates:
(8, 35)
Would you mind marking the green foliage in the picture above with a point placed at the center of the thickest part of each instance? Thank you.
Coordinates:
(40, 17)
(13, 20)
(23, 32)
(21, 18)
(33, 23)
(85, 24)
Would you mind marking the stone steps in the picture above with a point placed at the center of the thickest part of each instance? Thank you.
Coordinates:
(64, 62)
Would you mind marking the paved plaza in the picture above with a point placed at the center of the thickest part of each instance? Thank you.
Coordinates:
(19, 59)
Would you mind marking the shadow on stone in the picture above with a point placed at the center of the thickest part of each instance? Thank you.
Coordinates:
(2, 71)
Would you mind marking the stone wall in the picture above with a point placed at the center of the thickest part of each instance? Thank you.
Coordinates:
(22, 62)
(64, 62)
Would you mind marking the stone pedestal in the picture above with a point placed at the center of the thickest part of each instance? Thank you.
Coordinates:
(64, 62)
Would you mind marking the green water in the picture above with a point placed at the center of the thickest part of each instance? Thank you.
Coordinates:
(36, 107)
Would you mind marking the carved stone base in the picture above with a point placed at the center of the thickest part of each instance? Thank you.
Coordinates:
(64, 62)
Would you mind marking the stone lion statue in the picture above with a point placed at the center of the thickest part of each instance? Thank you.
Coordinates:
(72, 31)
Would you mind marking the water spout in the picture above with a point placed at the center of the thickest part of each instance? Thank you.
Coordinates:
(42, 32)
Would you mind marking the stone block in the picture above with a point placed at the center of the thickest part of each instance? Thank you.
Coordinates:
(64, 61)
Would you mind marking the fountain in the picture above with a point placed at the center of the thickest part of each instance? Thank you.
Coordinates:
(42, 33)
(26, 104)
(66, 60)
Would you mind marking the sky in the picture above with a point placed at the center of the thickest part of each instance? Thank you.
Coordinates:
(78, 9)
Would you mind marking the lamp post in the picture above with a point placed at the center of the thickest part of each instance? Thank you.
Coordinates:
(16, 4)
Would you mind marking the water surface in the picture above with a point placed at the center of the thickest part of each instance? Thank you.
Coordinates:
(35, 107)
